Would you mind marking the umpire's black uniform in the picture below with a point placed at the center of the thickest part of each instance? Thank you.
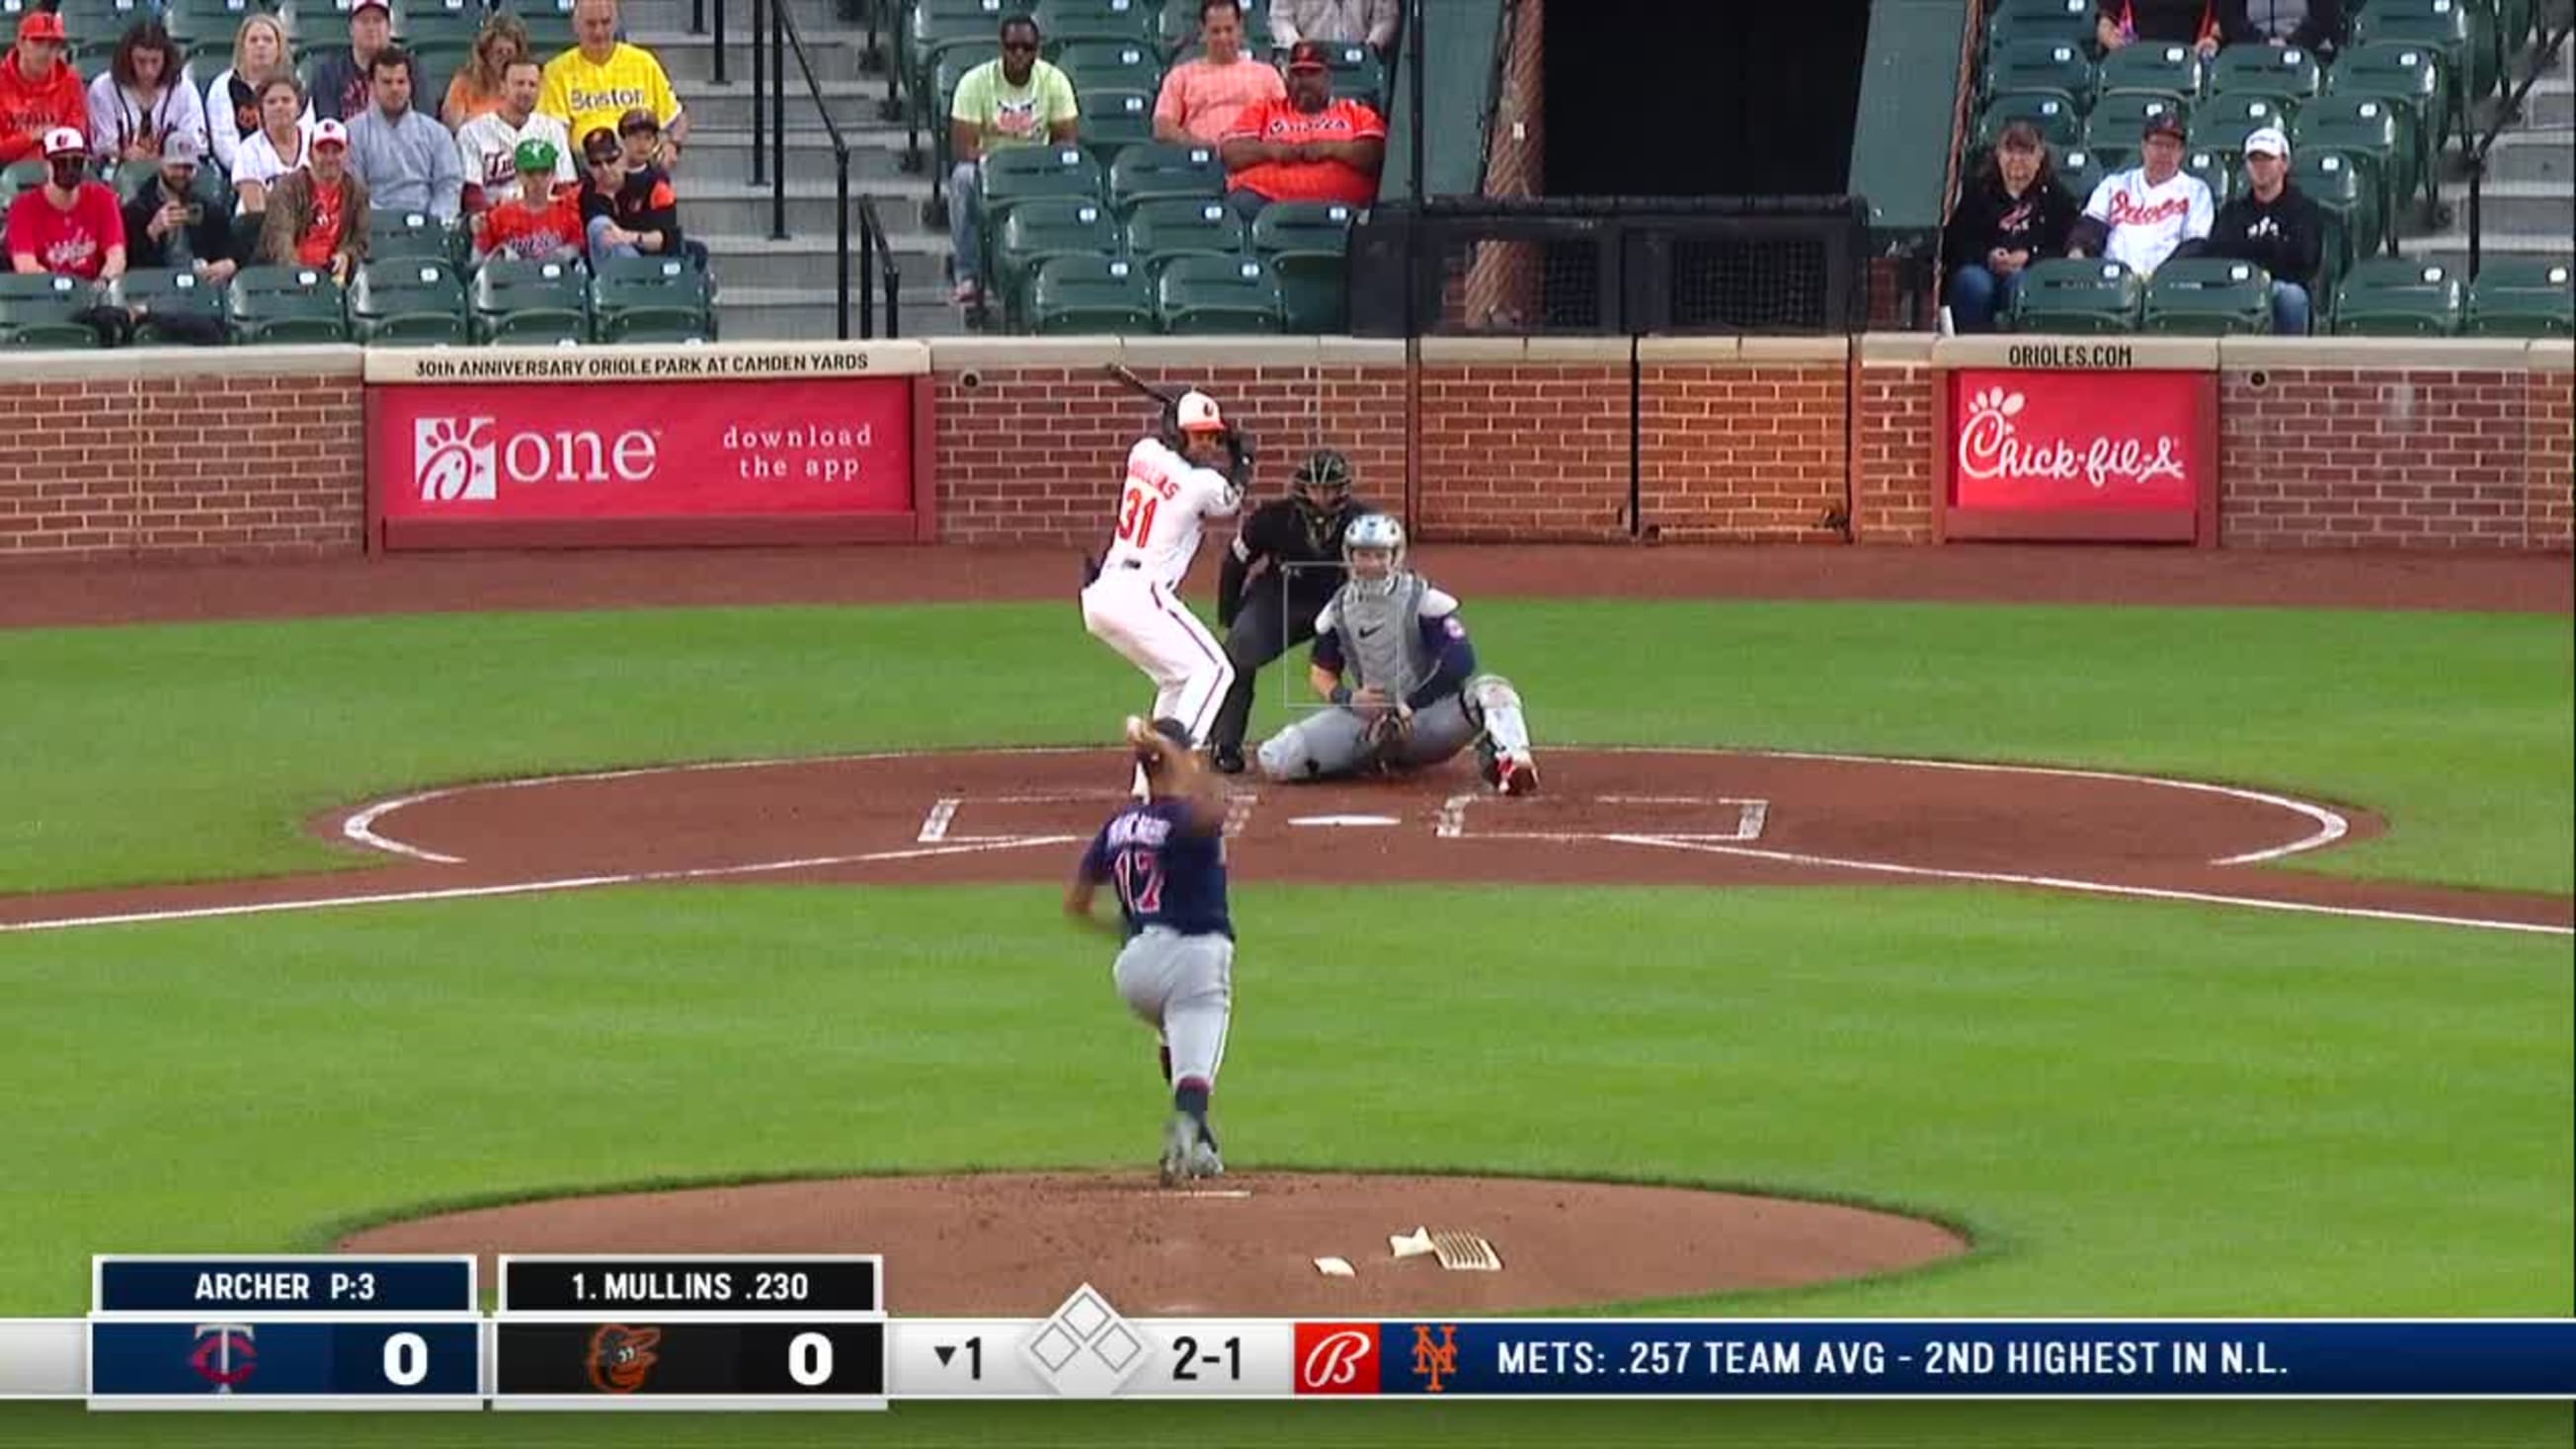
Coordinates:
(1277, 610)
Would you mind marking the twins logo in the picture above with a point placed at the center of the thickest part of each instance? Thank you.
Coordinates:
(622, 1358)
(1990, 447)
(453, 459)
(1337, 1358)
(224, 1354)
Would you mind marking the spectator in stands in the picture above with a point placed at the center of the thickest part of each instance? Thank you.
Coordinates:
(602, 78)
(1201, 97)
(70, 225)
(2012, 214)
(541, 222)
(2313, 25)
(626, 213)
(39, 90)
(1336, 20)
(2149, 212)
(2125, 22)
(1013, 100)
(476, 90)
(167, 223)
(488, 146)
(407, 160)
(317, 216)
(142, 100)
(282, 143)
(2276, 227)
(232, 98)
(343, 82)
(1308, 147)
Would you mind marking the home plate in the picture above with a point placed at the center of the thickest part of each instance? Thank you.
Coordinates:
(1353, 820)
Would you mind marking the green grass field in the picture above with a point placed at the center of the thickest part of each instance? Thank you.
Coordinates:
(2140, 1108)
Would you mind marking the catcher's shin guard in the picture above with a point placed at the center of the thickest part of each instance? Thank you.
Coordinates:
(1498, 711)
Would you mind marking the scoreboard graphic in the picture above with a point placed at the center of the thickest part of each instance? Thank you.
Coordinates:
(625, 1333)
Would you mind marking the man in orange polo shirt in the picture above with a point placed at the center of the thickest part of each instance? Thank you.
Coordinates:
(1309, 147)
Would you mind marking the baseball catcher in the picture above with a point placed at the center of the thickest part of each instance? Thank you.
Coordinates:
(1392, 659)
(1284, 566)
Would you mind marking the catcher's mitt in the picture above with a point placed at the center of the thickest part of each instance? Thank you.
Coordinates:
(1388, 731)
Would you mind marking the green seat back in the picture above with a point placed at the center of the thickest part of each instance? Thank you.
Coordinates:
(2223, 122)
(1066, 21)
(2054, 113)
(2124, 113)
(1042, 229)
(2217, 170)
(1115, 119)
(1158, 232)
(513, 300)
(2065, 294)
(2399, 297)
(2018, 20)
(1313, 291)
(2398, 68)
(2272, 70)
(286, 304)
(407, 299)
(1217, 294)
(1117, 64)
(164, 292)
(1159, 169)
(2209, 297)
(2080, 170)
(2042, 65)
(1090, 294)
(2152, 65)
(2347, 186)
(2523, 297)
(1303, 227)
(409, 234)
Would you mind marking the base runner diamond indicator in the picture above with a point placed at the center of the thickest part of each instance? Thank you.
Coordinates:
(1084, 1350)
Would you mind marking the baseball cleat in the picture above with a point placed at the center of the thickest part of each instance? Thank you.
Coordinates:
(1204, 1161)
(1516, 775)
(1181, 1147)
(1228, 760)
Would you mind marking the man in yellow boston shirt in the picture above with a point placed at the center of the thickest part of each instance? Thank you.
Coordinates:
(601, 78)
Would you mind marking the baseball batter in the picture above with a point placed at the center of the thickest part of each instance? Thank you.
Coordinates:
(1165, 855)
(1133, 604)
(1392, 659)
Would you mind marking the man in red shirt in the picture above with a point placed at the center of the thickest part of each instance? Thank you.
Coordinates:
(317, 214)
(71, 225)
(540, 224)
(1308, 147)
(38, 90)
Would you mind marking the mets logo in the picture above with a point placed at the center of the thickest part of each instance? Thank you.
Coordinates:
(622, 1358)
(1433, 1362)
(1337, 1358)
(224, 1354)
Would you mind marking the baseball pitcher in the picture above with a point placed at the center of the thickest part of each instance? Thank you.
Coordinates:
(1284, 566)
(1391, 657)
(1166, 856)
(1131, 600)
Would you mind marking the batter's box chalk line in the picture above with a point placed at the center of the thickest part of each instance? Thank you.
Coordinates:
(1748, 818)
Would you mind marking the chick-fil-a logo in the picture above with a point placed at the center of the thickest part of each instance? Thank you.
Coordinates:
(2050, 441)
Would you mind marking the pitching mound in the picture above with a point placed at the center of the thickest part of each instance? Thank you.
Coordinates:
(1013, 1244)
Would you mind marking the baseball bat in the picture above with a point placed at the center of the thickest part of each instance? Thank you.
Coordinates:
(1120, 371)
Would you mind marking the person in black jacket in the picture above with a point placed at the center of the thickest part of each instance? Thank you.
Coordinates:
(2014, 212)
(626, 212)
(2276, 227)
(2314, 25)
(1300, 536)
(169, 225)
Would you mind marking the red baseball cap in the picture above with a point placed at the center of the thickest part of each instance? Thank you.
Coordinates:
(41, 25)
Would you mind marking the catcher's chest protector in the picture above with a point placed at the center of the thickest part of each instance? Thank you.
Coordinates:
(1382, 636)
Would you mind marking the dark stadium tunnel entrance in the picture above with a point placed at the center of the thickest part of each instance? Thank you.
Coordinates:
(1653, 98)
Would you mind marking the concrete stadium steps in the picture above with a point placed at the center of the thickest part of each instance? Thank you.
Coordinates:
(2528, 201)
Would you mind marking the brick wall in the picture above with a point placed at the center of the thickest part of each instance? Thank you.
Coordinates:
(1514, 450)
(2412, 458)
(239, 463)
(2549, 510)
(1742, 451)
(1892, 421)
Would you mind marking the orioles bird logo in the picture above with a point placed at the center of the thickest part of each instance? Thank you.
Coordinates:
(621, 1358)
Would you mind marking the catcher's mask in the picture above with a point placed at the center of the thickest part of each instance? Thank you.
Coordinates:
(1323, 481)
(1373, 551)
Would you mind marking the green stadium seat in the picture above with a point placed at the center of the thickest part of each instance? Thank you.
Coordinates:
(2209, 297)
(1357, 74)
(1113, 120)
(165, 292)
(2223, 122)
(2269, 70)
(1021, 173)
(2019, 20)
(286, 304)
(37, 310)
(2523, 297)
(1217, 294)
(2397, 68)
(2055, 113)
(1090, 294)
(407, 301)
(1039, 231)
(2360, 126)
(2452, 29)
(1132, 65)
(2348, 188)
(1065, 21)
(1161, 232)
(1307, 244)
(2041, 65)
(2217, 169)
(2124, 113)
(2081, 170)
(651, 299)
(436, 22)
(23, 176)
(2152, 66)
(2399, 297)
(527, 303)
(1159, 169)
(2087, 295)
(410, 234)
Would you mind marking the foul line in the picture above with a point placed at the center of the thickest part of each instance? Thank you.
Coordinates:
(529, 887)
(2091, 887)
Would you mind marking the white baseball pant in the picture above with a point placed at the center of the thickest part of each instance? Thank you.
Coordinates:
(1148, 624)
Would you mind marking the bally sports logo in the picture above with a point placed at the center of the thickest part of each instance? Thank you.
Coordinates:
(1993, 450)
(1337, 1358)
(465, 459)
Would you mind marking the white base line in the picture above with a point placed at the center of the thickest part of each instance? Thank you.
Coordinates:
(2090, 887)
(356, 830)
(533, 887)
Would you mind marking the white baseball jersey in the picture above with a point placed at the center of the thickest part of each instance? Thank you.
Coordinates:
(2148, 222)
(1163, 509)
